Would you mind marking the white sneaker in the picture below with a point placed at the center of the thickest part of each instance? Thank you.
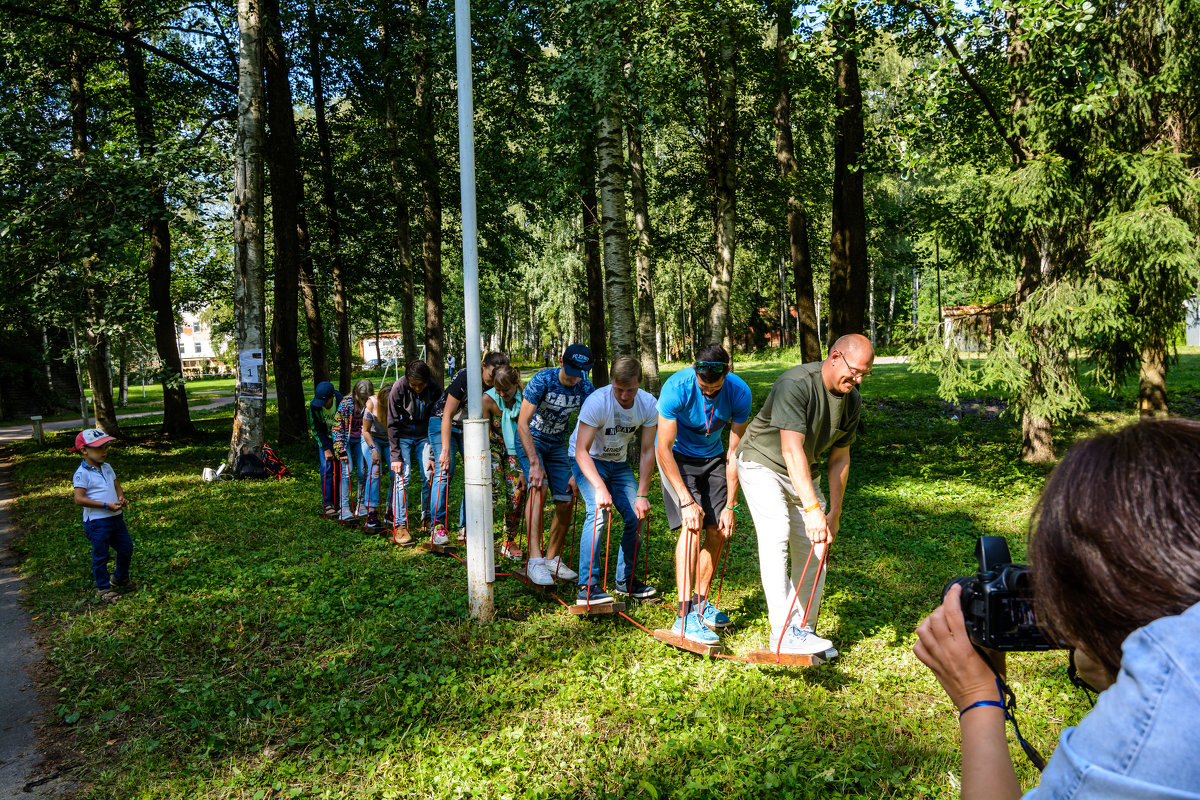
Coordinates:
(803, 642)
(560, 570)
(537, 572)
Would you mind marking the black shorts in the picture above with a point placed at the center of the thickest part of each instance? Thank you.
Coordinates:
(705, 481)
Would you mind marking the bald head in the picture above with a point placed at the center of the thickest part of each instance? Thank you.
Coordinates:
(849, 361)
(855, 347)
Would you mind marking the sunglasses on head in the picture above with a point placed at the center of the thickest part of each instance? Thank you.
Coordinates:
(714, 366)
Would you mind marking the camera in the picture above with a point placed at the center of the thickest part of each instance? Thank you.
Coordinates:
(997, 602)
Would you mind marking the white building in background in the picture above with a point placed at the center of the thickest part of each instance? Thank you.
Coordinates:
(390, 345)
(1191, 321)
(195, 343)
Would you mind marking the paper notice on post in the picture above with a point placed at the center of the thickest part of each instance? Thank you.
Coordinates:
(250, 373)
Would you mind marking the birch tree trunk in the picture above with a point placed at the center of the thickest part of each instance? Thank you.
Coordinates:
(797, 214)
(176, 418)
(721, 157)
(848, 239)
(248, 263)
(285, 218)
(615, 234)
(643, 255)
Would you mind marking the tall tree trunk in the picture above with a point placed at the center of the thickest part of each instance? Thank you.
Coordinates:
(431, 194)
(593, 268)
(248, 271)
(404, 258)
(848, 240)
(94, 335)
(123, 373)
(176, 418)
(797, 214)
(721, 159)
(1152, 379)
(283, 161)
(643, 255)
(312, 308)
(615, 233)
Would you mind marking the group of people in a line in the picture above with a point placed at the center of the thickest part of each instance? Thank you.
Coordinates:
(1114, 543)
(414, 427)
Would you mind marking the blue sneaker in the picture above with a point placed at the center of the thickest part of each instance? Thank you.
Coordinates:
(694, 630)
(714, 617)
(596, 596)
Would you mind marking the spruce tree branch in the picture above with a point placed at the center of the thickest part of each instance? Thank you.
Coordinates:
(1020, 155)
(123, 37)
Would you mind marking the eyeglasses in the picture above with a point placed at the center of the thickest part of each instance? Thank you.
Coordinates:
(854, 373)
(714, 366)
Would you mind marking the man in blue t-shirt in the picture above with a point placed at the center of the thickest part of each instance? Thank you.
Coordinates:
(694, 406)
(548, 401)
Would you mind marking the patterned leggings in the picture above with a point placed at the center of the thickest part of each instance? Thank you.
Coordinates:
(505, 472)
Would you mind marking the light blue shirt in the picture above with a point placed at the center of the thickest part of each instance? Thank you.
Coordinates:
(1140, 741)
(99, 485)
(699, 419)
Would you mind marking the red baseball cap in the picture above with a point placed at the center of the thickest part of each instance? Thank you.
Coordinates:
(92, 437)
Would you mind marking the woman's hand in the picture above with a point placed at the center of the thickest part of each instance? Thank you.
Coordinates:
(944, 646)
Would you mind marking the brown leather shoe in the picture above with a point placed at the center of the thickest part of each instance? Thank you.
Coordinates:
(401, 536)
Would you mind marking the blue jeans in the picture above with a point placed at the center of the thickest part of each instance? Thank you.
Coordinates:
(373, 474)
(354, 456)
(441, 491)
(622, 485)
(105, 532)
(555, 463)
(329, 487)
(409, 452)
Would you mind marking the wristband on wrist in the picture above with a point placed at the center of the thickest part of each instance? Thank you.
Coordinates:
(644, 496)
(688, 503)
(813, 507)
(978, 703)
(733, 507)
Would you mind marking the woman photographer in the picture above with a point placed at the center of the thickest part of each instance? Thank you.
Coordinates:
(1115, 552)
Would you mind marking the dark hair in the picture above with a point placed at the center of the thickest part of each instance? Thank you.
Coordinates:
(493, 359)
(707, 361)
(417, 370)
(1115, 538)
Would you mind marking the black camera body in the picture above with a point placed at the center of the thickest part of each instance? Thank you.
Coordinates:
(997, 602)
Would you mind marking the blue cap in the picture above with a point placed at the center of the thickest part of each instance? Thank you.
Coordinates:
(577, 360)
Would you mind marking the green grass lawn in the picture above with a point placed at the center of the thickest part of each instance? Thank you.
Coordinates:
(272, 654)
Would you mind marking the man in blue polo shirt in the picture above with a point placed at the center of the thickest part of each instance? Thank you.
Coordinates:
(549, 399)
(694, 407)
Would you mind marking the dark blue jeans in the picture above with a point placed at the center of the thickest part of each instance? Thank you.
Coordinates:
(103, 533)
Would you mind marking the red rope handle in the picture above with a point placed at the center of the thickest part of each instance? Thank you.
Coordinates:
(816, 580)
(795, 596)
(633, 567)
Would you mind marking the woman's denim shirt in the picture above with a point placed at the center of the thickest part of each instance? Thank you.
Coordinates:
(1142, 740)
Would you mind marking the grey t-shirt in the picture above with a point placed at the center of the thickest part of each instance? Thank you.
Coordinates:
(800, 402)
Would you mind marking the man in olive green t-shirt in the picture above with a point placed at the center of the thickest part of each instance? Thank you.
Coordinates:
(812, 408)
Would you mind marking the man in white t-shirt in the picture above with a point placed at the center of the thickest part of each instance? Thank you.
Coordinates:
(608, 422)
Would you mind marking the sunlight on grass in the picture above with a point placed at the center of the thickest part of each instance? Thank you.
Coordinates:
(272, 654)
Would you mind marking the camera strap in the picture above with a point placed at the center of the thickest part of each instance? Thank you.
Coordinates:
(1009, 698)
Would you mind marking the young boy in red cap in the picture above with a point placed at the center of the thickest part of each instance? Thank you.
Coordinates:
(99, 492)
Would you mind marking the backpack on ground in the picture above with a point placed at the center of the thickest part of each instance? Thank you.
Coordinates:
(274, 464)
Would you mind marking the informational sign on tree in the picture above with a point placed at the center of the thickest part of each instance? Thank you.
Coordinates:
(250, 373)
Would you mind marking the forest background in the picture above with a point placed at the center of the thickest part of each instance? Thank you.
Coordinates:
(651, 176)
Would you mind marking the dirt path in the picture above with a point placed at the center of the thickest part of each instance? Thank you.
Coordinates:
(19, 757)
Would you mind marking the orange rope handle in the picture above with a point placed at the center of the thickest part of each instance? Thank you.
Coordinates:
(795, 596)
(816, 580)
(607, 539)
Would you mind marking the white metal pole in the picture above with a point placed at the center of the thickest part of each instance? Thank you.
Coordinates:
(481, 564)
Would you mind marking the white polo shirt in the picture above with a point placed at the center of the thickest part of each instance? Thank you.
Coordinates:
(615, 426)
(100, 485)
